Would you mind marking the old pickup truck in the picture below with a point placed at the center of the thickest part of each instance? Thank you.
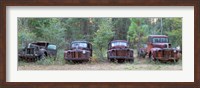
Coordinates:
(159, 48)
(38, 50)
(119, 50)
(79, 51)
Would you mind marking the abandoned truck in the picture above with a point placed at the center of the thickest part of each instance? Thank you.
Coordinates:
(79, 51)
(38, 50)
(118, 50)
(159, 48)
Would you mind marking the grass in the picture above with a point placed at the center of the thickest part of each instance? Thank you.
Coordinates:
(139, 63)
(59, 60)
(151, 65)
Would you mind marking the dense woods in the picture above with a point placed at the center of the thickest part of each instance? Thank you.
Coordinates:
(98, 31)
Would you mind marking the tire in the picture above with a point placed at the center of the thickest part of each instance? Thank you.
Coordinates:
(74, 61)
(152, 58)
(144, 55)
(131, 61)
(175, 61)
(43, 57)
(120, 60)
(86, 61)
(77, 62)
(111, 60)
(150, 55)
(67, 61)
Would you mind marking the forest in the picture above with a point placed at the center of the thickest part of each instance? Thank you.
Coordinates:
(98, 31)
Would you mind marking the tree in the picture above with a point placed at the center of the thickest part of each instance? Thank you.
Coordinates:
(102, 37)
(120, 27)
(137, 31)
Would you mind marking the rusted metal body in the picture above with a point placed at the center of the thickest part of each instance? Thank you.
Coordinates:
(142, 51)
(159, 48)
(79, 51)
(38, 50)
(119, 50)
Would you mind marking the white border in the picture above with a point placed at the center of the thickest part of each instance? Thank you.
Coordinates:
(185, 75)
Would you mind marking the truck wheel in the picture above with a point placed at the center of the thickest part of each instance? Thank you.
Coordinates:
(111, 60)
(120, 61)
(86, 61)
(152, 58)
(144, 55)
(74, 61)
(43, 56)
(131, 60)
(175, 61)
(67, 61)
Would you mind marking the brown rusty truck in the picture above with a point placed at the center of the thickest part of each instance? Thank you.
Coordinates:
(119, 50)
(38, 50)
(159, 48)
(79, 51)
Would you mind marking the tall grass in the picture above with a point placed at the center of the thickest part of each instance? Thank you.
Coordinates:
(59, 60)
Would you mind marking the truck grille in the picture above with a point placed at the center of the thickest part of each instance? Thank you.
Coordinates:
(76, 54)
(168, 53)
(121, 52)
(30, 51)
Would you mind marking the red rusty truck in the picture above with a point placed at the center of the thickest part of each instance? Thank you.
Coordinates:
(118, 50)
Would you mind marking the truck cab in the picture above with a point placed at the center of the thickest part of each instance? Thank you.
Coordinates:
(79, 51)
(119, 50)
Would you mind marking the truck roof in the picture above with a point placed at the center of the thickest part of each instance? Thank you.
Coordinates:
(158, 36)
(41, 42)
(80, 41)
(119, 41)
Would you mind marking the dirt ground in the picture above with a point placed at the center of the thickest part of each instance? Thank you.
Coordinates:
(139, 64)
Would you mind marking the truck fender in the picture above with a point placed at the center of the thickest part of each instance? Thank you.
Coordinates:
(43, 51)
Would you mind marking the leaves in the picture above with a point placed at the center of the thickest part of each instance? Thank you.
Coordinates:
(98, 31)
(102, 37)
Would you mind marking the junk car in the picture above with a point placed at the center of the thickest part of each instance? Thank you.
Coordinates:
(159, 48)
(119, 50)
(38, 50)
(79, 51)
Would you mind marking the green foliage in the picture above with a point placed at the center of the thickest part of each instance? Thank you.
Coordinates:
(98, 31)
(102, 38)
(140, 28)
(24, 33)
(120, 28)
(52, 60)
(137, 31)
(54, 33)
(175, 37)
(24, 37)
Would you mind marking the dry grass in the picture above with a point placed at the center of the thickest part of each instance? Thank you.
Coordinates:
(139, 64)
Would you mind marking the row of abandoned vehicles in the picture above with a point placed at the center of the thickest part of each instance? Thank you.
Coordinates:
(157, 48)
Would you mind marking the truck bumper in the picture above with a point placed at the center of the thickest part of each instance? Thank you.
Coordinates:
(27, 56)
(120, 57)
(76, 58)
(166, 58)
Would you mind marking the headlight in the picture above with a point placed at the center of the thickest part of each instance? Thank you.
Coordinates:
(84, 51)
(174, 51)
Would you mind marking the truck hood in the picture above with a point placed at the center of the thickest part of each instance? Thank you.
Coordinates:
(119, 47)
(161, 45)
(76, 50)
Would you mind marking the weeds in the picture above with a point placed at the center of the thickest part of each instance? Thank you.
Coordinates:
(139, 64)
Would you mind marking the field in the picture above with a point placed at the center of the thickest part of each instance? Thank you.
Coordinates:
(99, 32)
(139, 64)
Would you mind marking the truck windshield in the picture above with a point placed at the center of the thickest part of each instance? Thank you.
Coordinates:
(119, 44)
(31, 45)
(160, 40)
(84, 45)
(53, 47)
